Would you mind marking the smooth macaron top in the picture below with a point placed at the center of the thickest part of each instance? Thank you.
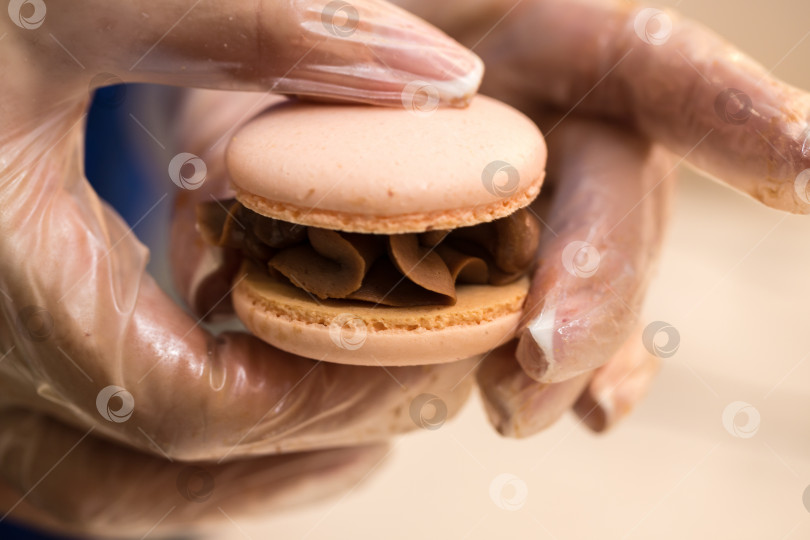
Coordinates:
(387, 170)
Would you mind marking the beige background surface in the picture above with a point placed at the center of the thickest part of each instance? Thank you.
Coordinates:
(734, 282)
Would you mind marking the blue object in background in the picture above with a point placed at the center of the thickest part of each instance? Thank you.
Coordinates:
(110, 164)
(10, 531)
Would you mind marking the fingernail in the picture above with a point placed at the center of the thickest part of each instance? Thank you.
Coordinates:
(531, 356)
(597, 415)
(502, 383)
(541, 358)
(500, 419)
(518, 406)
(448, 69)
(615, 390)
(385, 50)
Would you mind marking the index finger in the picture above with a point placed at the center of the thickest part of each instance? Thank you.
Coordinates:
(674, 80)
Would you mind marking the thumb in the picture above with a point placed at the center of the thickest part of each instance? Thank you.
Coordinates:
(363, 50)
(67, 257)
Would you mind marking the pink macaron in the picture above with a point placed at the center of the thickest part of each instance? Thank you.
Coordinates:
(379, 236)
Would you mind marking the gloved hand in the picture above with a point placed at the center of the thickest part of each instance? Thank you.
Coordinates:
(107, 387)
(664, 84)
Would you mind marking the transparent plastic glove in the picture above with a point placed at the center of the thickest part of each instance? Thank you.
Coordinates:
(107, 386)
(604, 226)
(670, 80)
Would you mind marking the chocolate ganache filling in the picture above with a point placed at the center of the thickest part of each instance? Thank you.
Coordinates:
(413, 269)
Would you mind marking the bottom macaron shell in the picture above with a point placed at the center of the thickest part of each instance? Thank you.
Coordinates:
(286, 317)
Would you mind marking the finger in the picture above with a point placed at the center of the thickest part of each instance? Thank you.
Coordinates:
(203, 274)
(366, 50)
(177, 391)
(44, 464)
(518, 406)
(604, 230)
(674, 80)
(616, 387)
(87, 333)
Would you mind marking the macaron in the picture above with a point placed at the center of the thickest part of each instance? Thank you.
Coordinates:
(381, 236)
